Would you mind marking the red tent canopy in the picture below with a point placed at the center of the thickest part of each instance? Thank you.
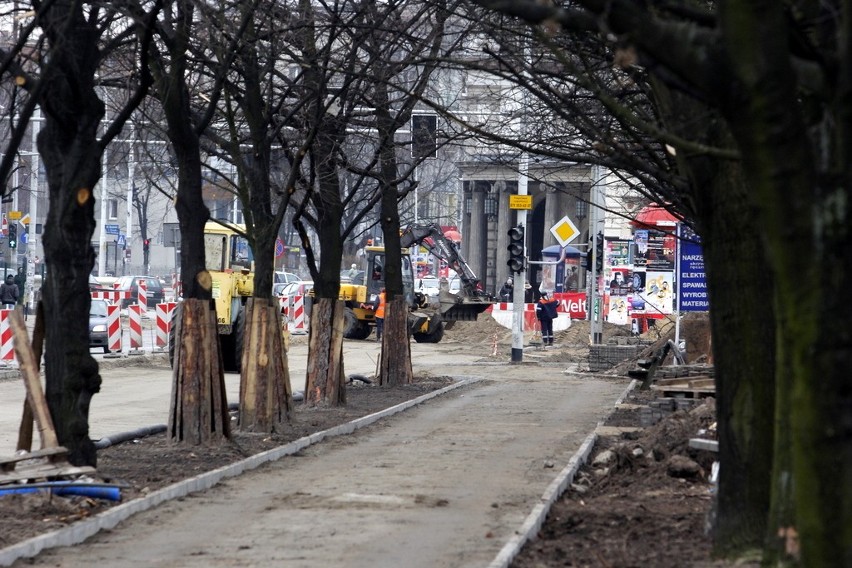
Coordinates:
(453, 235)
(654, 216)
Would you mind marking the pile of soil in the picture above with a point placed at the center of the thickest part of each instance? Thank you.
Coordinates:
(644, 498)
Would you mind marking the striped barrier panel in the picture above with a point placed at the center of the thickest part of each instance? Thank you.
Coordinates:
(164, 312)
(135, 313)
(7, 348)
(114, 330)
(112, 296)
(298, 324)
(142, 295)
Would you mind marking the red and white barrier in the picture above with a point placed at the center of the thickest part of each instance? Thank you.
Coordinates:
(142, 295)
(297, 324)
(503, 314)
(164, 313)
(135, 313)
(111, 296)
(114, 330)
(7, 348)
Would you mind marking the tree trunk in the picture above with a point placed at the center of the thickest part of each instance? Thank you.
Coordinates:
(395, 365)
(265, 393)
(800, 184)
(199, 406)
(325, 384)
(72, 160)
(744, 358)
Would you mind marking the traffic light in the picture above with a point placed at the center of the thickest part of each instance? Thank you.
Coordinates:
(424, 131)
(599, 251)
(13, 235)
(145, 244)
(516, 261)
(587, 261)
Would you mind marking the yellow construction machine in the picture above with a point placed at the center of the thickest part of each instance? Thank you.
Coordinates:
(427, 317)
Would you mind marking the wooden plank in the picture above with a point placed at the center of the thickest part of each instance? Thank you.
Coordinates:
(698, 379)
(45, 471)
(25, 432)
(29, 369)
(8, 463)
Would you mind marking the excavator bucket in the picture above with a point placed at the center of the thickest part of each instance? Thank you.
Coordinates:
(457, 308)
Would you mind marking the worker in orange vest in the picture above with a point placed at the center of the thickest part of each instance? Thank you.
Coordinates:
(379, 306)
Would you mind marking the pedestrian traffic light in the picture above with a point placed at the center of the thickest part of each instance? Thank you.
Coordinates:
(13, 235)
(516, 261)
(599, 252)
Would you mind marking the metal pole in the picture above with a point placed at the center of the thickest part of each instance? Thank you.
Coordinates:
(521, 277)
(102, 244)
(32, 236)
(675, 286)
(597, 224)
(131, 171)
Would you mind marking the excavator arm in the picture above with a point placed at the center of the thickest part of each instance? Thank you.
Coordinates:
(432, 237)
(472, 299)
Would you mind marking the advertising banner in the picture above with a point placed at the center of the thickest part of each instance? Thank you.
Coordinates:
(692, 283)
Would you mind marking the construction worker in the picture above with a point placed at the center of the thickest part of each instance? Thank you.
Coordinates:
(545, 311)
(380, 315)
(379, 306)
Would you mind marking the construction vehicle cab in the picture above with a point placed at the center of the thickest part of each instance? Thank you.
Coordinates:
(230, 262)
(426, 320)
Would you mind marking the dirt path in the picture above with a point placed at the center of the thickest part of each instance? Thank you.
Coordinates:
(444, 484)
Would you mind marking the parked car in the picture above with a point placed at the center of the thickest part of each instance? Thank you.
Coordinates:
(286, 277)
(98, 334)
(155, 292)
(300, 288)
(278, 288)
(428, 286)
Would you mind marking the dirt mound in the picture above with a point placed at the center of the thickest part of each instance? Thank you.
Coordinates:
(486, 330)
(643, 499)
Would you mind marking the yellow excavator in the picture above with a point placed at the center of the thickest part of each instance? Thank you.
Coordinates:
(427, 320)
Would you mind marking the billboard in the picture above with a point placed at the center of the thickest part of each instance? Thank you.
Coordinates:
(692, 281)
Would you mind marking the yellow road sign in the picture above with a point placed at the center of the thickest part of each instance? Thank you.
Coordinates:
(564, 231)
(14, 215)
(520, 202)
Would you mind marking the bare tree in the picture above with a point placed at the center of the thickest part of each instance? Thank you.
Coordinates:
(59, 71)
(199, 410)
(741, 59)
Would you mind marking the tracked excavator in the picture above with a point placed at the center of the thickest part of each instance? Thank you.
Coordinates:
(427, 319)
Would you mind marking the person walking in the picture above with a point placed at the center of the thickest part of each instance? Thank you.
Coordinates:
(545, 311)
(507, 290)
(9, 293)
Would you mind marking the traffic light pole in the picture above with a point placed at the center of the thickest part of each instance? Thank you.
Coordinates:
(518, 289)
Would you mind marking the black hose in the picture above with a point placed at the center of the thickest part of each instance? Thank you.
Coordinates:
(132, 435)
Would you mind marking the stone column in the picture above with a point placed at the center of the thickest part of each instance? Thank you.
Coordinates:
(465, 229)
(505, 220)
(552, 213)
(476, 260)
